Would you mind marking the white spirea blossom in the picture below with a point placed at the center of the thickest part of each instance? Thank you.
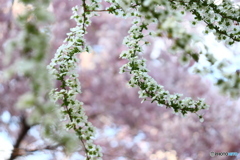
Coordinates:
(218, 2)
(62, 67)
(147, 85)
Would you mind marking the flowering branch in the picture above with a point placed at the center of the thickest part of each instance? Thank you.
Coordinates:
(147, 85)
(62, 67)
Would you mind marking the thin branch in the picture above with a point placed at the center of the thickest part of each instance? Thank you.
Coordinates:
(24, 129)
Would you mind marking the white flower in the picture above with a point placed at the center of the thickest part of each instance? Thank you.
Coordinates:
(201, 120)
(218, 2)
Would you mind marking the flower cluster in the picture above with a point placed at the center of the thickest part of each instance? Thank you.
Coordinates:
(147, 85)
(62, 67)
(222, 19)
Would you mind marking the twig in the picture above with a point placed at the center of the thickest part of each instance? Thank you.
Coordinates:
(25, 128)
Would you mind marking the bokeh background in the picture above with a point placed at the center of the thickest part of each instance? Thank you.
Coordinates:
(127, 128)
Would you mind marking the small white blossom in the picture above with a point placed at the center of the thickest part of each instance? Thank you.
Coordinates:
(218, 2)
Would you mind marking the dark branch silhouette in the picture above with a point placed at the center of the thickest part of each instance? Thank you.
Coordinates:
(24, 129)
